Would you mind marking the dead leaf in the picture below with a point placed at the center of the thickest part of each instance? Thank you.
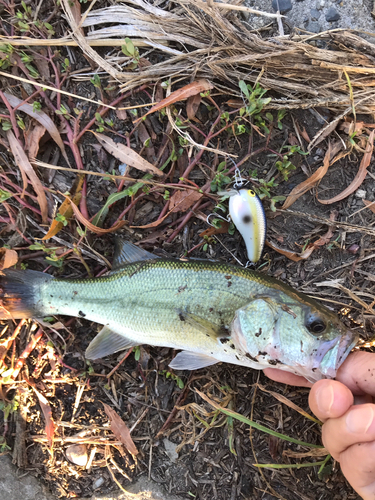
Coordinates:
(192, 106)
(323, 240)
(181, 201)
(349, 126)
(211, 231)
(201, 85)
(42, 118)
(308, 183)
(304, 134)
(314, 452)
(294, 256)
(289, 403)
(120, 430)
(126, 155)
(8, 258)
(159, 221)
(27, 170)
(121, 114)
(32, 139)
(370, 205)
(235, 103)
(47, 412)
(361, 174)
(292, 139)
(66, 209)
(91, 227)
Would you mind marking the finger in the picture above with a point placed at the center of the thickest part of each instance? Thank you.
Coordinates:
(357, 425)
(358, 373)
(358, 466)
(330, 399)
(286, 377)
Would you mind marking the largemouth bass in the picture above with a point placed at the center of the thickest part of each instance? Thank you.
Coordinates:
(210, 310)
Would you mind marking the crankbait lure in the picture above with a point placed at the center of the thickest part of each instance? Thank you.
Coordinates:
(247, 213)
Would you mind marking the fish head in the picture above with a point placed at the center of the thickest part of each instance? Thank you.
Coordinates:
(302, 337)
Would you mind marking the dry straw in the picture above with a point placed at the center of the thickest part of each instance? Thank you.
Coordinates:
(206, 40)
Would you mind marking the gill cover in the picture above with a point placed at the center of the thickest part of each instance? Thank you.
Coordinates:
(247, 213)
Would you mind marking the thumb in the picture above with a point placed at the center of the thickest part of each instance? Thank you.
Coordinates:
(330, 399)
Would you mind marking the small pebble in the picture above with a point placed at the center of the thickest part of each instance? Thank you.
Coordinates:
(97, 483)
(77, 454)
(320, 4)
(353, 249)
(170, 449)
(122, 168)
(283, 6)
(360, 193)
(313, 27)
(315, 14)
(332, 15)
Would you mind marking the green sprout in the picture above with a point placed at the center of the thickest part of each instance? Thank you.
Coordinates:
(220, 180)
(130, 50)
(174, 377)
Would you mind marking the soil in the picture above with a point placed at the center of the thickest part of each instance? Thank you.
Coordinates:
(183, 444)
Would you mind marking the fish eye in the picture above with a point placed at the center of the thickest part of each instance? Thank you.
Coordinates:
(316, 326)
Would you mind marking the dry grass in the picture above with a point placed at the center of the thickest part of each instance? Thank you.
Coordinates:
(198, 39)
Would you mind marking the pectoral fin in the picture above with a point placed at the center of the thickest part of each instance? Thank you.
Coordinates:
(107, 342)
(187, 360)
(203, 325)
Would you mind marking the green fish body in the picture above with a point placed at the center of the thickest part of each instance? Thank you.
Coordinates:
(210, 310)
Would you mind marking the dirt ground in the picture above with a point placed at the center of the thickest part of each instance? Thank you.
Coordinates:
(182, 442)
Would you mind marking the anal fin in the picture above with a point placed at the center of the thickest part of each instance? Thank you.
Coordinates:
(107, 342)
(186, 360)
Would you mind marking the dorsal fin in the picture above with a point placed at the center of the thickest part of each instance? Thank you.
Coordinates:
(127, 253)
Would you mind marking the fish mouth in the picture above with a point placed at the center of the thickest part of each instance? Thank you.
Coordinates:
(332, 354)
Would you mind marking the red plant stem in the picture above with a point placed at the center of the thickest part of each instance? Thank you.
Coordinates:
(120, 363)
(190, 167)
(57, 78)
(246, 157)
(196, 247)
(180, 219)
(129, 207)
(12, 115)
(34, 94)
(105, 110)
(30, 346)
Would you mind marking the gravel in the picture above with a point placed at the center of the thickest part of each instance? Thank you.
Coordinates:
(331, 14)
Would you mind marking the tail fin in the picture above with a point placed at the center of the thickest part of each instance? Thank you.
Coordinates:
(20, 293)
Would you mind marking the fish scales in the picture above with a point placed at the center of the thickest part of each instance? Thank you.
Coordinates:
(145, 298)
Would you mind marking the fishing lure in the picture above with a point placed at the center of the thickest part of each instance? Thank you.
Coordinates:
(247, 213)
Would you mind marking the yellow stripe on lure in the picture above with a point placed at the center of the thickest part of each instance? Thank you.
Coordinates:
(247, 213)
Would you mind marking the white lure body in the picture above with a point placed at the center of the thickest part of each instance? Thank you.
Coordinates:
(247, 213)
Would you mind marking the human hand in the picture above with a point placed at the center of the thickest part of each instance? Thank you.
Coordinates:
(345, 405)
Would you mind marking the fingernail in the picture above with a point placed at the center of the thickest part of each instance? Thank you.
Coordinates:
(359, 419)
(325, 397)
